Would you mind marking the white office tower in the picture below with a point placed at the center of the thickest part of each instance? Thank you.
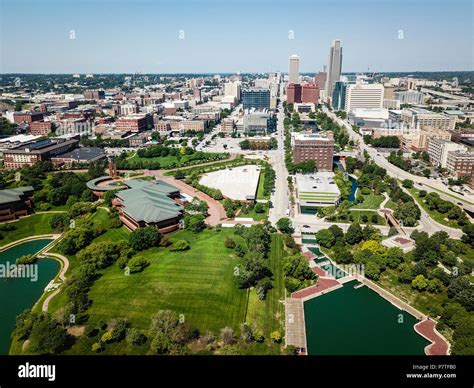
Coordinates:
(334, 66)
(294, 73)
(364, 96)
(232, 89)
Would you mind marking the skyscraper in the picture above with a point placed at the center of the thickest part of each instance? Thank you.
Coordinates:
(334, 66)
(294, 72)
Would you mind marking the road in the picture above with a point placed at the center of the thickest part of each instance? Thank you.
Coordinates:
(280, 198)
(395, 172)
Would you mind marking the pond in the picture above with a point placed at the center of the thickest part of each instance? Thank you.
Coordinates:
(20, 293)
(358, 321)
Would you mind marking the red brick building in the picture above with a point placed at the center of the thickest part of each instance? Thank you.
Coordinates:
(40, 128)
(293, 93)
(314, 146)
(27, 117)
(310, 93)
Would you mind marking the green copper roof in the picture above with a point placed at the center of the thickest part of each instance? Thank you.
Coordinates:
(149, 201)
(13, 195)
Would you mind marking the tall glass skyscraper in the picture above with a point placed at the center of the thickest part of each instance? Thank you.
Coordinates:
(334, 67)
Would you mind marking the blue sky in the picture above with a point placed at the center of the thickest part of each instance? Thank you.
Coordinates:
(228, 36)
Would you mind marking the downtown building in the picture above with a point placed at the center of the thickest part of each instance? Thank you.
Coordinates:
(313, 146)
(439, 149)
(334, 66)
(294, 70)
(256, 98)
(361, 95)
(461, 164)
(425, 119)
(306, 93)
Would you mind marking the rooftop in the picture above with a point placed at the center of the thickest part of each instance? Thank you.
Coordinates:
(13, 195)
(149, 201)
(84, 153)
(318, 183)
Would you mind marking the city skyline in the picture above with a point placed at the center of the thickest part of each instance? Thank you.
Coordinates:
(209, 37)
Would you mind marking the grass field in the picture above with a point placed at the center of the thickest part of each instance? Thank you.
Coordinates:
(268, 315)
(198, 283)
(35, 224)
(371, 201)
(434, 214)
(164, 161)
(260, 188)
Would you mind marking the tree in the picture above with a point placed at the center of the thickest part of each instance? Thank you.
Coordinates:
(354, 234)
(276, 337)
(259, 208)
(325, 238)
(195, 223)
(227, 336)
(372, 271)
(284, 226)
(134, 337)
(419, 283)
(144, 238)
(407, 183)
(468, 236)
(263, 286)
(337, 232)
(48, 337)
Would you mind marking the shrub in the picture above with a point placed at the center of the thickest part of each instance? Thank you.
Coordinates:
(180, 245)
(134, 337)
(229, 243)
(137, 264)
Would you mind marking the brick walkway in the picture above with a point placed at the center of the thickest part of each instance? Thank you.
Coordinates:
(216, 210)
(438, 346)
(321, 285)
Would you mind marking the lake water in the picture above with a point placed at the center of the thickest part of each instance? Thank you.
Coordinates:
(351, 321)
(18, 294)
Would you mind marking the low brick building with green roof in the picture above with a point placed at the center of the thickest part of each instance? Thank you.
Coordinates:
(146, 203)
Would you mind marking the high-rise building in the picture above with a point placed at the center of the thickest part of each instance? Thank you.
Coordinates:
(410, 97)
(439, 150)
(460, 164)
(310, 93)
(426, 119)
(293, 93)
(334, 66)
(320, 79)
(294, 72)
(256, 98)
(232, 89)
(338, 100)
(314, 146)
(364, 96)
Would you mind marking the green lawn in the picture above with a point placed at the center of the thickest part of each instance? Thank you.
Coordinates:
(164, 161)
(434, 214)
(260, 188)
(268, 315)
(35, 224)
(391, 205)
(371, 201)
(198, 283)
(256, 216)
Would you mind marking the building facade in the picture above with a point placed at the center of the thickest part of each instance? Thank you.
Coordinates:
(256, 98)
(439, 149)
(314, 146)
